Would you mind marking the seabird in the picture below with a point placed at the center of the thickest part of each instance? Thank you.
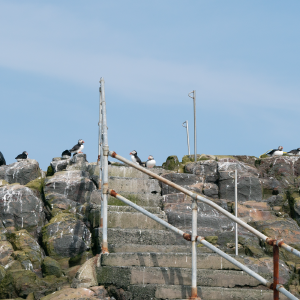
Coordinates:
(66, 154)
(294, 152)
(77, 148)
(135, 158)
(150, 163)
(276, 152)
(22, 156)
(2, 160)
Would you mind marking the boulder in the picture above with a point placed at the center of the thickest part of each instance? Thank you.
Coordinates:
(208, 169)
(20, 209)
(21, 172)
(65, 236)
(75, 185)
(183, 179)
(6, 250)
(77, 162)
(24, 282)
(51, 267)
(27, 250)
(72, 294)
(2, 273)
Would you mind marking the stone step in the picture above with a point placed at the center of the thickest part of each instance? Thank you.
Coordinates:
(125, 276)
(151, 209)
(117, 248)
(119, 236)
(123, 219)
(172, 292)
(134, 185)
(125, 171)
(179, 260)
(150, 200)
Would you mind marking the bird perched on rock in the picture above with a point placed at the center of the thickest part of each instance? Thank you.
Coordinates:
(78, 147)
(135, 158)
(66, 154)
(2, 160)
(276, 152)
(294, 152)
(22, 156)
(150, 163)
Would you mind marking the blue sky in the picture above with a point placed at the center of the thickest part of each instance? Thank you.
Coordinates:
(241, 57)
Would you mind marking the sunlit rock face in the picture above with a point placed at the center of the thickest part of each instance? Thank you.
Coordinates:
(21, 209)
(74, 185)
(21, 172)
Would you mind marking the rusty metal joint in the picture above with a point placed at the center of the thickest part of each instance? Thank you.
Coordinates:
(271, 242)
(113, 193)
(187, 236)
(114, 154)
(279, 243)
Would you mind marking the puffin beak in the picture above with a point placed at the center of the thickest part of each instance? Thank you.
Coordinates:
(149, 157)
(130, 153)
(83, 142)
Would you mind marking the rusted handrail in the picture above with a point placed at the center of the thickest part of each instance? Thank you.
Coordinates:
(273, 242)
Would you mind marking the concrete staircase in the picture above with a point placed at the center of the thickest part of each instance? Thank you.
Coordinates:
(147, 261)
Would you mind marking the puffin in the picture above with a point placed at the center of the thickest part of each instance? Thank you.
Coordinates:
(77, 148)
(150, 163)
(135, 158)
(2, 160)
(66, 154)
(22, 156)
(294, 152)
(276, 152)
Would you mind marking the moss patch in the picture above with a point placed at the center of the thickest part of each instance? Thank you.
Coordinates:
(50, 171)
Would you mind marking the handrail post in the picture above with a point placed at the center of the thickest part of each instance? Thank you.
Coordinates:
(275, 270)
(104, 171)
(100, 153)
(236, 213)
(194, 294)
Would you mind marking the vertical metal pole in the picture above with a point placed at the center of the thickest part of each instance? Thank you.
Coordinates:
(194, 250)
(195, 135)
(187, 134)
(275, 271)
(236, 213)
(100, 154)
(105, 170)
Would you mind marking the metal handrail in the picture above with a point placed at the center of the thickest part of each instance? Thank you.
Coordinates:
(275, 285)
(202, 240)
(103, 185)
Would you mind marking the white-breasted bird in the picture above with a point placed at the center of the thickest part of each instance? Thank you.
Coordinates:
(66, 154)
(135, 158)
(150, 163)
(78, 147)
(276, 152)
(22, 156)
(294, 152)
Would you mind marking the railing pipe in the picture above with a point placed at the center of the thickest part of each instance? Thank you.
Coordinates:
(236, 213)
(105, 170)
(204, 200)
(100, 153)
(194, 250)
(201, 240)
(275, 271)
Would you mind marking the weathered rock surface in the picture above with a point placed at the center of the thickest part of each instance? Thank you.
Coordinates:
(6, 250)
(75, 185)
(51, 267)
(65, 236)
(21, 172)
(27, 251)
(21, 209)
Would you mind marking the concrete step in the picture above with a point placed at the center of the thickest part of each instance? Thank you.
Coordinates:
(150, 200)
(123, 219)
(172, 292)
(179, 260)
(117, 248)
(134, 185)
(140, 236)
(151, 209)
(125, 276)
(125, 171)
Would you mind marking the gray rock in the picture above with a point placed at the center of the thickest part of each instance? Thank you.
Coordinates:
(6, 250)
(65, 236)
(207, 169)
(183, 179)
(21, 209)
(21, 172)
(51, 267)
(75, 185)
(211, 190)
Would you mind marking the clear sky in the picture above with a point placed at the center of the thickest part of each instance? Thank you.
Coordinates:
(241, 57)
